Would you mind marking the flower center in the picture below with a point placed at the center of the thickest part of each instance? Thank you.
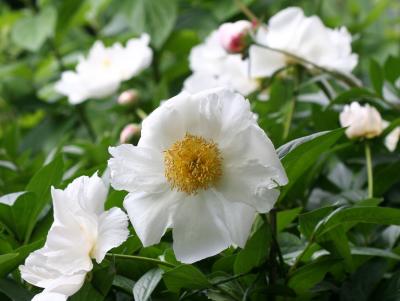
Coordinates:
(193, 163)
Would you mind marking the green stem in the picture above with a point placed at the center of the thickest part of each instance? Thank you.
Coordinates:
(140, 258)
(272, 273)
(81, 110)
(288, 121)
(368, 158)
(247, 12)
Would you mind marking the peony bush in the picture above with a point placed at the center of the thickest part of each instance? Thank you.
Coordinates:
(199, 150)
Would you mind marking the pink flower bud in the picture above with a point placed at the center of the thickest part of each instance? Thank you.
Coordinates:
(128, 97)
(233, 35)
(129, 131)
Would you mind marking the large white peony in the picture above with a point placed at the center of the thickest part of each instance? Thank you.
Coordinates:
(305, 37)
(100, 74)
(81, 231)
(202, 167)
(213, 66)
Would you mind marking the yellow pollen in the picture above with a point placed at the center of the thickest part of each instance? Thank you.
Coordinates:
(193, 163)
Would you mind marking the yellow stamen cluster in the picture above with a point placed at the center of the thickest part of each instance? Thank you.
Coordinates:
(193, 163)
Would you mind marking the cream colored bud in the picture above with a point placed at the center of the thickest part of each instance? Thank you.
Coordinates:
(361, 121)
(129, 131)
(128, 97)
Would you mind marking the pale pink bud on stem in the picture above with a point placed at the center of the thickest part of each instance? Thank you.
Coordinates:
(129, 131)
(128, 97)
(233, 36)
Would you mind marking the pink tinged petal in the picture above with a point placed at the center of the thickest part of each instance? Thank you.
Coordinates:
(199, 228)
(113, 231)
(151, 214)
(49, 296)
(136, 168)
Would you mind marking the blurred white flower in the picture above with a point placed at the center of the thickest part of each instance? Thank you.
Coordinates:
(128, 97)
(361, 121)
(213, 67)
(81, 230)
(391, 138)
(202, 167)
(233, 35)
(128, 132)
(306, 37)
(100, 74)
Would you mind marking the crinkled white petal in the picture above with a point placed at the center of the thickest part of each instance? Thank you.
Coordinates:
(112, 231)
(151, 214)
(136, 168)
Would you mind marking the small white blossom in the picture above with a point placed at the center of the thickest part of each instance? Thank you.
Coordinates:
(202, 167)
(306, 37)
(361, 121)
(101, 72)
(81, 231)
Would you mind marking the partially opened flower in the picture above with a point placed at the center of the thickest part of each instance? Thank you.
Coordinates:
(128, 132)
(100, 74)
(361, 121)
(81, 231)
(202, 167)
(305, 37)
(213, 66)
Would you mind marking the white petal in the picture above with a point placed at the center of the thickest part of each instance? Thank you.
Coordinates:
(264, 62)
(136, 168)
(152, 213)
(392, 139)
(49, 296)
(113, 231)
(199, 229)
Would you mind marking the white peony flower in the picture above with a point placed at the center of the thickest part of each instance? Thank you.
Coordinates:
(100, 74)
(81, 231)
(213, 67)
(233, 35)
(361, 121)
(202, 167)
(306, 37)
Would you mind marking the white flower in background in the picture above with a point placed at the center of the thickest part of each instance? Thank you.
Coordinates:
(100, 74)
(128, 132)
(233, 35)
(391, 138)
(202, 167)
(306, 37)
(81, 231)
(361, 121)
(213, 67)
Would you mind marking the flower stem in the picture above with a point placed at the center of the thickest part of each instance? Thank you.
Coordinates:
(81, 110)
(272, 272)
(368, 159)
(140, 258)
(288, 121)
(247, 12)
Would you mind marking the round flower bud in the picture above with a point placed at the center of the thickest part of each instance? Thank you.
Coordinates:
(233, 35)
(361, 121)
(129, 131)
(128, 97)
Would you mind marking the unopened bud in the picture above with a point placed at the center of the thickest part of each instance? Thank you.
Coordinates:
(128, 97)
(128, 132)
(233, 36)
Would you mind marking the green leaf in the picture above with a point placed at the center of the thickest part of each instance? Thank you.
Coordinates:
(154, 17)
(14, 291)
(284, 218)
(185, 276)
(123, 283)
(385, 177)
(309, 275)
(40, 184)
(31, 32)
(87, 292)
(7, 257)
(255, 251)
(376, 75)
(368, 251)
(302, 158)
(353, 94)
(146, 284)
